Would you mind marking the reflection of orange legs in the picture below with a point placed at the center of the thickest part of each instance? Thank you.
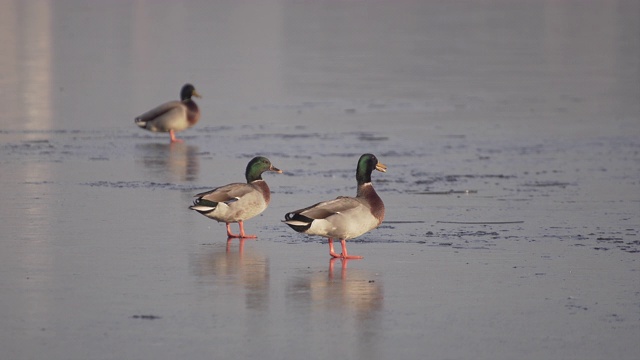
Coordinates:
(240, 246)
(242, 235)
(173, 137)
(343, 273)
(344, 254)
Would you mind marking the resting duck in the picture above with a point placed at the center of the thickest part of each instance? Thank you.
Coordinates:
(237, 202)
(344, 217)
(172, 116)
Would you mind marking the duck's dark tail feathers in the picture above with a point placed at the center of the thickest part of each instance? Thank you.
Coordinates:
(203, 206)
(297, 222)
(141, 123)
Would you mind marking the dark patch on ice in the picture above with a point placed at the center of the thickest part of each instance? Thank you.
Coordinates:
(350, 106)
(616, 240)
(632, 247)
(372, 137)
(38, 182)
(449, 192)
(405, 222)
(151, 185)
(478, 176)
(548, 184)
(270, 154)
(477, 233)
(49, 131)
(146, 317)
(213, 129)
(455, 178)
(305, 136)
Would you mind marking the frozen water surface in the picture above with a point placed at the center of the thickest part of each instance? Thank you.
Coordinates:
(510, 131)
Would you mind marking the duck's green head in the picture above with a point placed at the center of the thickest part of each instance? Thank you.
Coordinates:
(366, 165)
(187, 92)
(257, 166)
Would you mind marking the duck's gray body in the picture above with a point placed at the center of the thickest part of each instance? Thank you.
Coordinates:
(234, 202)
(237, 202)
(342, 218)
(172, 116)
(345, 217)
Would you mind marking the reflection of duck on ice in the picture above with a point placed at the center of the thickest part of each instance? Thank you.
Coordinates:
(357, 290)
(173, 162)
(231, 266)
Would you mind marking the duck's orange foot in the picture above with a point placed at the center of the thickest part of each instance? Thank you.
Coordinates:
(241, 235)
(344, 254)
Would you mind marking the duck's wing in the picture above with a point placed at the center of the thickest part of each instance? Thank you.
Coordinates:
(226, 193)
(323, 210)
(161, 113)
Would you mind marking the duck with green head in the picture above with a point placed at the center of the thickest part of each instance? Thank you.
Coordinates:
(172, 116)
(345, 217)
(237, 202)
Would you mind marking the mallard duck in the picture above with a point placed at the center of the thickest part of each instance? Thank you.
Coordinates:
(238, 202)
(172, 116)
(345, 217)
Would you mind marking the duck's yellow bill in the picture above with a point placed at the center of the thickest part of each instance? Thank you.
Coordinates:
(381, 167)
